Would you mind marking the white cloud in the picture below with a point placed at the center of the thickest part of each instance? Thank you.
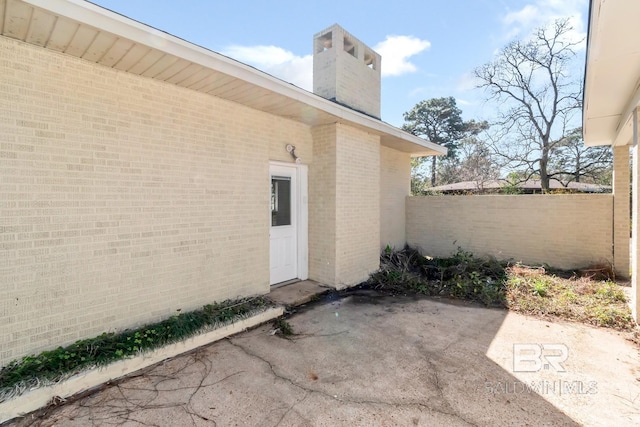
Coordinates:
(276, 61)
(298, 70)
(260, 55)
(396, 51)
(527, 16)
(540, 13)
(284, 64)
(466, 82)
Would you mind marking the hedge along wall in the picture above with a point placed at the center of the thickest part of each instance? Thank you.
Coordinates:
(564, 230)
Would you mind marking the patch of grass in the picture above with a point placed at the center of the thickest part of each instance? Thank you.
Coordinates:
(540, 287)
(282, 327)
(583, 296)
(54, 365)
(582, 299)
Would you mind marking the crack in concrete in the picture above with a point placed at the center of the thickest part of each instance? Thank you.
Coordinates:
(130, 399)
(118, 407)
(306, 389)
(298, 337)
(440, 391)
(291, 408)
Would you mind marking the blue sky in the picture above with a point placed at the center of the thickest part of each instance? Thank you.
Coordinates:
(429, 48)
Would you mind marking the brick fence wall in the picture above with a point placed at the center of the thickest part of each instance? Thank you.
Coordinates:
(395, 186)
(564, 231)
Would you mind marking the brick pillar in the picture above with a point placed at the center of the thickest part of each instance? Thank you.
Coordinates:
(344, 205)
(322, 206)
(621, 211)
(357, 205)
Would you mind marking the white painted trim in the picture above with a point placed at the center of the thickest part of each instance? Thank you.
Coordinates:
(626, 130)
(607, 114)
(121, 26)
(635, 220)
(303, 222)
(39, 397)
(302, 215)
(283, 274)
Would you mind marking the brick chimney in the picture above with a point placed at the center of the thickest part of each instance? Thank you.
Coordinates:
(346, 71)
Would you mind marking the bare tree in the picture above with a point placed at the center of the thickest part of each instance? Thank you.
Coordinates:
(475, 162)
(531, 79)
(572, 160)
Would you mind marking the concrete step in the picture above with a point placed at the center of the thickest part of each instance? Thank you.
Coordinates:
(297, 293)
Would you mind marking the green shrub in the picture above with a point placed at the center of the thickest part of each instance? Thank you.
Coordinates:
(283, 327)
(461, 276)
(55, 364)
(529, 290)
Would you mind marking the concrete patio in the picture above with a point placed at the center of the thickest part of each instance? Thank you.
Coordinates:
(368, 359)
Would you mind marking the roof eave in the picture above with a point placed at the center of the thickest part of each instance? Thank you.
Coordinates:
(611, 89)
(123, 27)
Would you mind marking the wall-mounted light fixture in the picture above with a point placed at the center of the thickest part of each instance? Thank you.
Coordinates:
(292, 150)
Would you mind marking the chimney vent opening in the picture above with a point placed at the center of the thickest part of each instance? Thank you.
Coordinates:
(370, 60)
(324, 42)
(350, 47)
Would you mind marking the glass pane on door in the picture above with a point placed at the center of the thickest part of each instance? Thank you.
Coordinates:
(280, 201)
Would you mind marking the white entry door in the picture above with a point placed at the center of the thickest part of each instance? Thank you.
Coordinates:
(284, 227)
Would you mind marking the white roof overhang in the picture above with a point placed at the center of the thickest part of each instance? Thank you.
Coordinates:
(612, 76)
(88, 31)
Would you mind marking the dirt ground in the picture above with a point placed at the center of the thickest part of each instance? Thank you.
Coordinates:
(375, 360)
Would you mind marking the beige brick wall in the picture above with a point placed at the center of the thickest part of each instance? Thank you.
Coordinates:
(395, 186)
(322, 206)
(301, 140)
(621, 210)
(124, 199)
(344, 205)
(564, 231)
(357, 206)
(635, 221)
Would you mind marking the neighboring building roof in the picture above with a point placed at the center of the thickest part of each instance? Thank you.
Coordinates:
(611, 91)
(88, 31)
(532, 184)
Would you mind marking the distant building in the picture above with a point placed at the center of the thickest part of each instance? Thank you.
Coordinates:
(532, 186)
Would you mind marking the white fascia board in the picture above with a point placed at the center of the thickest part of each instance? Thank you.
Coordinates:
(624, 133)
(127, 28)
(400, 134)
(624, 130)
(598, 59)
